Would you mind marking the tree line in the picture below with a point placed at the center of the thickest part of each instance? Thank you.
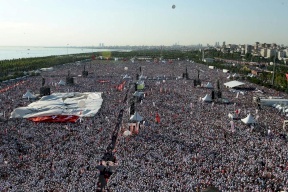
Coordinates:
(14, 68)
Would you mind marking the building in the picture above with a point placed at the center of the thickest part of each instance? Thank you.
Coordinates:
(248, 48)
(267, 45)
(273, 45)
(256, 46)
(286, 52)
(271, 52)
(216, 44)
(263, 52)
(242, 49)
(281, 55)
(225, 50)
(232, 46)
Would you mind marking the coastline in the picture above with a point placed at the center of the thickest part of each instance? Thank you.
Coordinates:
(19, 52)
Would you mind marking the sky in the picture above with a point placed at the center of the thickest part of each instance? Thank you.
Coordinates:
(142, 22)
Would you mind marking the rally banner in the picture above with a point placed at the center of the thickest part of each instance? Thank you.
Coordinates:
(56, 119)
(11, 87)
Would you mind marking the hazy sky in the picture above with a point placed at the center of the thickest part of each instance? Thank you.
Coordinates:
(142, 22)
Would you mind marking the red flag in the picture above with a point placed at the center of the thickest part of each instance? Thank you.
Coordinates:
(157, 119)
(238, 111)
(120, 86)
(93, 57)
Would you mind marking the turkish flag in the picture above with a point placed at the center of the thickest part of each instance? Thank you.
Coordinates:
(157, 118)
(237, 111)
(121, 86)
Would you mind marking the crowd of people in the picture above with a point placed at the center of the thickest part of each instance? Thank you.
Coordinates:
(190, 147)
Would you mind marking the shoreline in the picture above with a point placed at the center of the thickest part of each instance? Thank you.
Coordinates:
(21, 52)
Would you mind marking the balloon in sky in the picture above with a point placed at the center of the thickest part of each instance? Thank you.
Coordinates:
(173, 6)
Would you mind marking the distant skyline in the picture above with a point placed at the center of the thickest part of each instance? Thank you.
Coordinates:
(136, 22)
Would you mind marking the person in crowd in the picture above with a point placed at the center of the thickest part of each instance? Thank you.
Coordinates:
(189, 147)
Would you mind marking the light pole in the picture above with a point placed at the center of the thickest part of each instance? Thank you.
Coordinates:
(273, 76)
(67, 48)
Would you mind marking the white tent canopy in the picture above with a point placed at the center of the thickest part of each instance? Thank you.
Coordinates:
(209, 85)
(136, 117)
(126, 77)
(142, 77)
(138, 94)
(37, 71)
(249, 119)
(85, 104)
(232, 84)
(207, 98)
(29, 95)
(231, 116)
(47, 69)
(251, 75)
(277, 106)
(61, 82)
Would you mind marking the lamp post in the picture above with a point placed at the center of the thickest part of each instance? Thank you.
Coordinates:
(273, 76)
(67, 48)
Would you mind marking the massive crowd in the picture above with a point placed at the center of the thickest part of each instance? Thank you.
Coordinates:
(191, 148)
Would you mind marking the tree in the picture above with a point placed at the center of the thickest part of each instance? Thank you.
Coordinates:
(248, 56)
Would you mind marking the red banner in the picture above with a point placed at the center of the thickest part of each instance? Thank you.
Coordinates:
(11, 87)
(56, 119)
(103, 81)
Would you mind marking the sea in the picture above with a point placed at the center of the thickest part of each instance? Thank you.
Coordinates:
(7, 53)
